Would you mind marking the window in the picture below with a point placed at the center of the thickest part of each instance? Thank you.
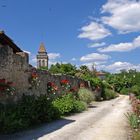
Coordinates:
(39, 63)
(43, 63)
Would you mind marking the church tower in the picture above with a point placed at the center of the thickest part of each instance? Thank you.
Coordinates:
(42, 57)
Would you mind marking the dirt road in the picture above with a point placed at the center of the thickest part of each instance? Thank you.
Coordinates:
(103, 121)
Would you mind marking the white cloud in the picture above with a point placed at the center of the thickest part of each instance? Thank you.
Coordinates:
(53, 56)
(124, 15)
(95, 45)
(136, 42)
(122, 47)
(95, 57)
(117, 66)
(117, 47)
(73, 59)
(94, 31)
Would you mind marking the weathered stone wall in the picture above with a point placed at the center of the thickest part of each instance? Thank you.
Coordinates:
(15, 67)
(46, 77)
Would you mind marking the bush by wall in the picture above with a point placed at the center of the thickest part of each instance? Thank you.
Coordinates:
(68, 104)
(109, 94)
(85, 95)
(64, 104)
(79, 106)
(30, 110)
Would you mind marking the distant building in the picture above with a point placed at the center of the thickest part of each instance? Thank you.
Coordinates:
(42, 57)
(101, 75)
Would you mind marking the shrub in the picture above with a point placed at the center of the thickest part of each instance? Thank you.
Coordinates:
(109, 94)
(95, 82)
(10, 119)
(85, 95)
(133, 120)
(136, 90)
(79, 106)
(68, 104)
(30, 110)
(64, 104)
(125, 91)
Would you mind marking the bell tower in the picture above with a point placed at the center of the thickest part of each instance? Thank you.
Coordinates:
(42, 57)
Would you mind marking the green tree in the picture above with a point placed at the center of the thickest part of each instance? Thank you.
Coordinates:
(55, 68)
(68, 69)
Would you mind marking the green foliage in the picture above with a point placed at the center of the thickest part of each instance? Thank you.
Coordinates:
(125, 91)
(95, 82)
(43, 68)
(55, 68)
(105, 84)
(68, 69)
(10, 120)
(133, 120)
(136, 90)
(86, 95)
(30, 110)
(119, 81)
(109, 94)
(64, 104)
(124, 79)
(68, 104)
(79, 106)
(85, 73)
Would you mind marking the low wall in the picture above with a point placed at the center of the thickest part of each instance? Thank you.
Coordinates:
(14, 67)
(44, 77)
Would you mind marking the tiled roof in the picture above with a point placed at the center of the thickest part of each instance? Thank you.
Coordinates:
(100, 74)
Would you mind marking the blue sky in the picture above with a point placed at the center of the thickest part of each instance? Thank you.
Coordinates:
(104, 32)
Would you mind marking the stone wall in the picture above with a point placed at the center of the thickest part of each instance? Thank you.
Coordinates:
(45, 77)
(15, 67)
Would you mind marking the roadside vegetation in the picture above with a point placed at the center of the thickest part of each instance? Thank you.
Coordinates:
(32, 110)
(128, 83)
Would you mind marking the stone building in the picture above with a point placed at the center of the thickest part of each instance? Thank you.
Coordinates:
(42, 57)
(13, 63)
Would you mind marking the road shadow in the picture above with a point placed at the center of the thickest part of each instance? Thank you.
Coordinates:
(92, 106)
(38, 132)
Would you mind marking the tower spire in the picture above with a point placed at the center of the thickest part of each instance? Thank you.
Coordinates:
(42, 48)
(42, 57)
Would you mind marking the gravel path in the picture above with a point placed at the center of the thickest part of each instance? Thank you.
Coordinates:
(103, 121)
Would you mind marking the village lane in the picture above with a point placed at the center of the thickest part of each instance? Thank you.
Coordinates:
(102, 121)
